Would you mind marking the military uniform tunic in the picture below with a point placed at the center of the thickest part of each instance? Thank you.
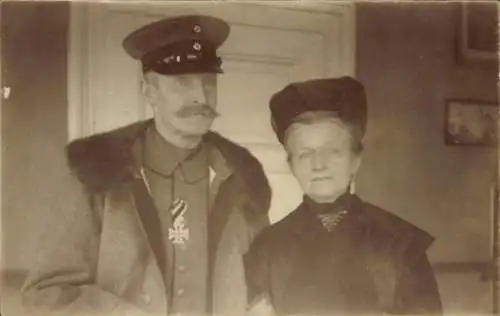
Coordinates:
(175, 173)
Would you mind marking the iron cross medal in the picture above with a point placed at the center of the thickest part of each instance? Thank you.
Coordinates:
(180, 233)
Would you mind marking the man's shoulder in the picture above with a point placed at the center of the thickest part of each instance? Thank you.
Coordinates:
(111, 138)
(249, 172)
(102, 158)
(236, 154)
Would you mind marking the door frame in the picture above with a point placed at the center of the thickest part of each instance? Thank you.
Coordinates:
(80, 51)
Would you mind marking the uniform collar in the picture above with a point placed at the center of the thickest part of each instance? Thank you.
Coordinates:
(218, 163)
(164, 158)
(113, 158)
(152, 151)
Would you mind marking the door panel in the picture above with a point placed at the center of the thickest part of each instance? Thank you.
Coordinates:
(267, 48)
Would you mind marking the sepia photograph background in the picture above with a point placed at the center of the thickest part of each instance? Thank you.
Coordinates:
(69, 77)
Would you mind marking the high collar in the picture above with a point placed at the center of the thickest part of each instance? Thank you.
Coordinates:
(164, 158)
(343, 202)
(308, 226)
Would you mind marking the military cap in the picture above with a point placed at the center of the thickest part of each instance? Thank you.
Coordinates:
(344, 96)
(183, 44)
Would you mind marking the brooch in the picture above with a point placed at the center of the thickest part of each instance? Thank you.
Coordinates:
(329, 221)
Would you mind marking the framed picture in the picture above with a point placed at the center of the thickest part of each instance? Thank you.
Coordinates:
(477, 32)
(470, 122)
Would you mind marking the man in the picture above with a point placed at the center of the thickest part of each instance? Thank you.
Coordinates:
(335, 254)
(170, 207)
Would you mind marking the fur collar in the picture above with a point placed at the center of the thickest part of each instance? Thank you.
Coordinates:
(105, 160)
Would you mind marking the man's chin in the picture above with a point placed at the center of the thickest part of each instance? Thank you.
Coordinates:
(191, 127)
(194, 132)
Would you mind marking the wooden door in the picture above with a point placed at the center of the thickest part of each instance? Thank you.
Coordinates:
(268, 47)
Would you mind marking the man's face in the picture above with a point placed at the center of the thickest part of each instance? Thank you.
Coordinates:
(321, 159)
(185, 103)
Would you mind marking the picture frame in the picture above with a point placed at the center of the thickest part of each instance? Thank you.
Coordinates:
(471, 123)
(477, 32)
(494, 267)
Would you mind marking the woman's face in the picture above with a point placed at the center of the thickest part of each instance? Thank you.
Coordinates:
(321, 158)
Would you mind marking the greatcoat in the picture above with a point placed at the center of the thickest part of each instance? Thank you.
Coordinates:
(102, 255)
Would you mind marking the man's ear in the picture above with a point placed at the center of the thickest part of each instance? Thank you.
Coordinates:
(289, 158)
(147, 89)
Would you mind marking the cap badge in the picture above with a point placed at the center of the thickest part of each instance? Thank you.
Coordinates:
(168, 59)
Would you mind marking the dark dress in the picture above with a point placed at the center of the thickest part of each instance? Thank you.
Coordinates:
(370, 262)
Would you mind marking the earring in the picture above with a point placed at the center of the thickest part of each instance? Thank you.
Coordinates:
(352, 187)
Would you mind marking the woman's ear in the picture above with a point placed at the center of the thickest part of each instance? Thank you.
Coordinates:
(356, 163)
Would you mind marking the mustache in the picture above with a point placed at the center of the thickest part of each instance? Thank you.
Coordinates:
(203, 109)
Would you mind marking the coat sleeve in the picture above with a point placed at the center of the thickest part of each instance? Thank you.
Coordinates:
(417, 290)
(62, 280)
(256, 262)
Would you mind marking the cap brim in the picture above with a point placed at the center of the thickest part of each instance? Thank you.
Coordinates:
(187, 69)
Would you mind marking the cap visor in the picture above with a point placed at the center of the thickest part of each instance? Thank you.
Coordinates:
(187, 69)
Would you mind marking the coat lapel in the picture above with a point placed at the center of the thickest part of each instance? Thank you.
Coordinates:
(147, 211)
(150, 221)
(222, 207)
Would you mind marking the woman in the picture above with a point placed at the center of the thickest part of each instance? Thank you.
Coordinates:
(335, 254)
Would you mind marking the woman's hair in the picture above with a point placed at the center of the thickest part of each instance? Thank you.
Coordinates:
(311, 117)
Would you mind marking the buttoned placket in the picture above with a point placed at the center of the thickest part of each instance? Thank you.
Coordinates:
(215, 180)
(146, 297)
(180, 268)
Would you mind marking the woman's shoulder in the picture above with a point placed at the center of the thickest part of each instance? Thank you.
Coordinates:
(390, 231)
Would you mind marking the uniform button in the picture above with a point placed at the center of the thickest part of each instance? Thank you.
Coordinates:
(180, 292)
(182, 268)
